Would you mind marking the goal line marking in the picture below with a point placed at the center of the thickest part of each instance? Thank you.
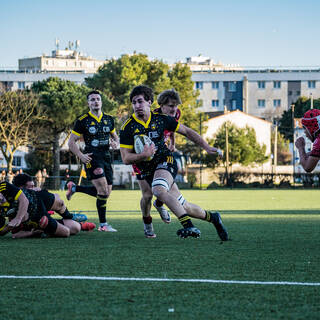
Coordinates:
(58, 277)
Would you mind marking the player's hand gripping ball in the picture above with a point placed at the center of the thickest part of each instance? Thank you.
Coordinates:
(140, 141)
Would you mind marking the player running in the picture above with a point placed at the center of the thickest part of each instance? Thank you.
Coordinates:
(159, 173)
(98, 132)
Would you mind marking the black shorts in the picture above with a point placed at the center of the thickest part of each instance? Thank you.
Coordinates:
(99, 163)
(47, 198)
(171, 167)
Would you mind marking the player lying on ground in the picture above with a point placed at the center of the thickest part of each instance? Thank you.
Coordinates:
(155, 162)
(311, 125)
(26, 213)
(53, 202)
(169, 100)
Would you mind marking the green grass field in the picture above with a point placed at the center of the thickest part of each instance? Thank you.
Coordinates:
(274, 252)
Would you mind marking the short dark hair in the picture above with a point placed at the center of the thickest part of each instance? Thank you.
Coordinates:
(164, 96)
(21, 179)
(143, 90)
(93, 92)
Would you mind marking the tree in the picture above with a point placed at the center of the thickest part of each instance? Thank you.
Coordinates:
(19, 113)
(302, 105)
(242, 144)
(62, 102)
(117, 78)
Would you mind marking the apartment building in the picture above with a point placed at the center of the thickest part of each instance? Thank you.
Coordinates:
(256, 92)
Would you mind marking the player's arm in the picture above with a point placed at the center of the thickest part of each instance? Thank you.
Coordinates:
(22, 213)
(74, 148)
(171, 146)
(307, 161)
(196, 139)
(130, 157)
(114, 142)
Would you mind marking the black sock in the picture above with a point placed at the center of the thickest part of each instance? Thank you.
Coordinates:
(186, 221)
(147, 220)
(102, 207)
(159, 203)
(66, 214)
(90, 190)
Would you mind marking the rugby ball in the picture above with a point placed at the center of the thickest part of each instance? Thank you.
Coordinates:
(140, 141)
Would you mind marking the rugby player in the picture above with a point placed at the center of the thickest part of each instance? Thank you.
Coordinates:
(311, 125)
(27, 213)
(53, 202)
(96, 128)
(160, 171)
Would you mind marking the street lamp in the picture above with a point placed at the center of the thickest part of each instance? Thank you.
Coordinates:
(293, 150)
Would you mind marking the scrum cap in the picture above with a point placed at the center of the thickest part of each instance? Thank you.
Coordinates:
(311, 121)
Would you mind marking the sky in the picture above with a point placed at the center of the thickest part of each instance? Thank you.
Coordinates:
(245, 32)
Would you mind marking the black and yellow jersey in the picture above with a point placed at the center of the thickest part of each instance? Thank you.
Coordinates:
(154, 128)
(35, 209)
(95, 131)
(11, 193)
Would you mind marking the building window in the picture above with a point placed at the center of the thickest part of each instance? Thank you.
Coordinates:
(232, 87)
(290, 93)
(298, 93)
(311, 84)
(16, 161)
(261, 103)
(233, 104)
(276, 84)
(21, 85)
(215, 103)
(261, 84)
(199, 102)
(277, 103)
(215, 84)
(199, 85)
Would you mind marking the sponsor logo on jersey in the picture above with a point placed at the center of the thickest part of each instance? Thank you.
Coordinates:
(95, 143)
(92, 130)
(153, 134)
(103, 142)
(106, 129)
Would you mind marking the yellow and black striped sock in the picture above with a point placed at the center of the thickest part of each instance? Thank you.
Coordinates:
(208, 216)
(186, 221)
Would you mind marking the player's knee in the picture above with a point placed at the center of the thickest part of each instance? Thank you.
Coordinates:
(160, 187)
(147, 197)
(62, 231)
(75, 228)
(98, 171)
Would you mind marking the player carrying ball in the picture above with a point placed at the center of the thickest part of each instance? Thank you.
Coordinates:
(160, 172)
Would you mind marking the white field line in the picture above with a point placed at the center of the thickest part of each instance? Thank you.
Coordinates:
(263, 283)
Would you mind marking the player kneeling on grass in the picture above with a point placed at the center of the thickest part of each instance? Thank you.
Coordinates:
(311, 125)
(53, 202)
(27, 214)
(156, 163)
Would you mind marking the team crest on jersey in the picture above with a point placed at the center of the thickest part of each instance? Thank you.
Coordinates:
(153, 126)
(92, 130)
(92, 123)
(137, 131)
(105, 121)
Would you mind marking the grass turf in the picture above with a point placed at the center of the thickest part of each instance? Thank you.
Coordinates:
(275, 237)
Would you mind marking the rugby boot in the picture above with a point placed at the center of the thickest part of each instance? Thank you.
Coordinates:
(217, 222)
